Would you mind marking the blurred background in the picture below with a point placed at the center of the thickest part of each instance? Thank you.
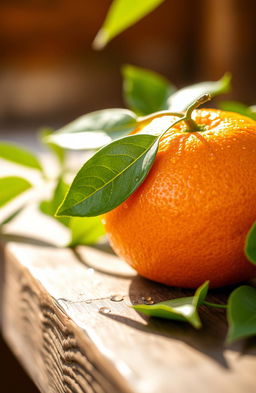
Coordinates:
(49, 73)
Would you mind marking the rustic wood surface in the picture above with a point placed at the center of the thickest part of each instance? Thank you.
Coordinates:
(50, 302)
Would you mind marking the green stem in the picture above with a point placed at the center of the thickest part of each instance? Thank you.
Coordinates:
(187, 117)
(191, 124)
(214, 304)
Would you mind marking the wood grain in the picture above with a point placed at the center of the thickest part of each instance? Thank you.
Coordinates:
(50, 302)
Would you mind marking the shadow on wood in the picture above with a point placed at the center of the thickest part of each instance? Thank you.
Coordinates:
(210, 340)
(18, 238)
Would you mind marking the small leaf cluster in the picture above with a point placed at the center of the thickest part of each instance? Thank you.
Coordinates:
(183, 309)
(241, 310)
(83, 231)
(147, 95)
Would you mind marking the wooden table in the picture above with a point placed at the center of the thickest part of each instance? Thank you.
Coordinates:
(51, 299)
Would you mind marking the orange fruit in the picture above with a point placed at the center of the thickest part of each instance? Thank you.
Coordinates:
(188, 220)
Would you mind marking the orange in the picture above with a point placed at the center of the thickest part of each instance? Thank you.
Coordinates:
(188, 220)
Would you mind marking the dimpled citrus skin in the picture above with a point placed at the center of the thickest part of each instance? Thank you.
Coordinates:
(188, 221)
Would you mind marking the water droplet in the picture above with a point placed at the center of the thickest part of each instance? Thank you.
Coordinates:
(243, 147)
(104, 310)
(147, 300)
(116, 298)
(88, 301)
(137, 178)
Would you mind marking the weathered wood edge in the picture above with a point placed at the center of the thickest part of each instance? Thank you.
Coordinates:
(80, 367)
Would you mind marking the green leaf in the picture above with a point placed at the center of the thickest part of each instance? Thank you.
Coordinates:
(182, 309)
(11, 187)
(238, 107)
(85, 230)
(182, 99)
(95, 129)
(121, 15)
(250, 244)
(201, 294)
(45, 136)
(145, 91)
(110, 176)
(242, 313)
(11, 216)
(50, 206)
(19, 156)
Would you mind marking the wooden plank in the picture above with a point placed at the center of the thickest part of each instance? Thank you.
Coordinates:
(50, 310)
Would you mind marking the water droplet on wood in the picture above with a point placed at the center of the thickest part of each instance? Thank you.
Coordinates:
(104, 310)
(116, 298)
(147, 300)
